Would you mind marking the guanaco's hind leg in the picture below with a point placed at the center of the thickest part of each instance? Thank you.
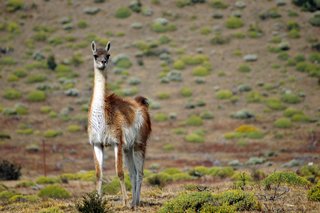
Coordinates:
(128, 156)
(138, 159)
(98, 160)
(119, 171)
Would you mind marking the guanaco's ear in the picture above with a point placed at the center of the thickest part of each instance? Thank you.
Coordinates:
(108, 46)
(93, 46)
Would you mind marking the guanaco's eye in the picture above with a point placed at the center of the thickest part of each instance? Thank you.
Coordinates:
(107, 57)
(95, 56)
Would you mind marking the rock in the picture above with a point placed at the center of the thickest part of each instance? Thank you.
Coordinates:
(174, 75)
(293, 163)
(155, 105)
(136, 25)
(243, 114)
(281, 2)
(147, 11)
(256, 160)
(162, 21)
(235, 163)
(240, 4)
(164, 56)
(38, 56)
(164, 80)
(190, 105)
(91, 10)
(236, 13)
(284, 46)
(173, 116)
(244, 88)
(72, 92)
(68, 26)
(200, 80)
(250, 57)
(65, 20)
(217, 16)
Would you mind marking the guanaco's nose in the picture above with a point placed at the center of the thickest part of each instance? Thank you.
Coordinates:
(104, 61)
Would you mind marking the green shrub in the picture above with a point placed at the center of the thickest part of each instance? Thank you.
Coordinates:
(275, 104)
(12, 94)
(254, 97)
(7, 60)
(207, 115)
(82, 24)
(228, 201)
(36, 78)
(219, 39)
(12, 78)
(241, 200)
(310, 172)
(36, 96)
(20, 73)
(218, 4)
(160, 179)
(194, 120)
(186, 92)
(290, 98)
(224, 94)
(92, 202)
(47, 180)
(199, 171)
(284, 178)
(200, 71)
(24, 198)
(114, 187)
(160, 117)
(245, 131)
(194, 138)
(161, 26)
(300, 118)
(6, 195)
(54, 191)
(314, 193)
(244, 68)
(234, 23)
(314, 57)
(168, 147)
(163, 96)
(83, 176)
(195, 59)
(74, 128)
(25, 184)
(50, 133)
(123, 12)
(283, 123)
(289, 112)
(221, 172)
(53, 209)
(241, 180)
(14, 5)
(179, 65)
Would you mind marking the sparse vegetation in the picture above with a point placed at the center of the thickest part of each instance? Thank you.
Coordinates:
(92, 202)
(36, 96)
(123, 12)
(54, 191)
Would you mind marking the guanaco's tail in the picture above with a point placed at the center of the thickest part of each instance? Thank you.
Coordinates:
(142, 101)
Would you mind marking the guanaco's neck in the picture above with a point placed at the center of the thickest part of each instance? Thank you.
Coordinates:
(99, 91)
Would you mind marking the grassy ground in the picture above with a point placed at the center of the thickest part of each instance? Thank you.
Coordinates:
(209, 106)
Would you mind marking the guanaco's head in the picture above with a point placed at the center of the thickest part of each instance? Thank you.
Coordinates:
(101, 56)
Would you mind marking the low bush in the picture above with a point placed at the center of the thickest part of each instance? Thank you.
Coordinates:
(179, 65)
(310, 172)
(194, 120)
(9, 171)
(74, 128)
(218, 4)
(283, 123)
(224, 94)
(83, 176)
(221, 172)
(284, 178)
(200, 71)
(12, 94)
(160, 117)
(160, 179)
(314, 193)
(289, 112)
(113, 187)
(50, 133)
(14, 5)
(36, 96)
(291, 98)
(54, 191)
(186, 92)
(234, 23)
(254, 97)
(195, 137)
(47, 180)
(274, 104)
(92, 202)
(241, 180)
(36, 78)
(228, 201)
(244, 68)
(123, 12)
